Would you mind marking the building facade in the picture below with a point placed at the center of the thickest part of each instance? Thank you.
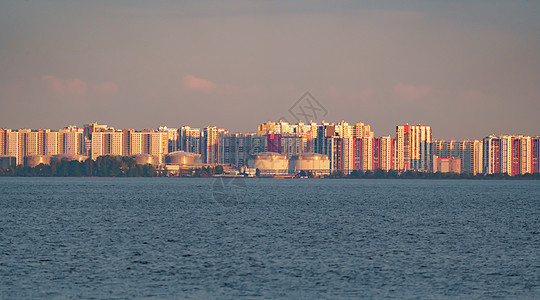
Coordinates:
(413, 148)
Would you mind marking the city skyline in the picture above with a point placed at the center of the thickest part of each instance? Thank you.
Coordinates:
(469, 69)
(344, 147)
(254, 129)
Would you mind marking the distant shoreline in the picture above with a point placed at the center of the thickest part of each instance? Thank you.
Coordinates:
(535, 176)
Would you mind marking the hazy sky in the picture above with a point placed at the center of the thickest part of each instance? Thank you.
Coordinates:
(467, 68)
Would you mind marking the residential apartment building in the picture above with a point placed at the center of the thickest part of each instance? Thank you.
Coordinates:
(471, 153)
(413, 148)
(510, 154)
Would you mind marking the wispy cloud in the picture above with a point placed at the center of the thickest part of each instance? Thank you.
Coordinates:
(65, 86)
(408, 92)
(192, 83)
(77, 87)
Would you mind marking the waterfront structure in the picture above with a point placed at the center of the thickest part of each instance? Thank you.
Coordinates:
(147, 159)
(212, 148)
(413, 148)
(126, 142)
(289, 143)
(35, 160)
(446, 165)
(348, 147)
(470, 153)
(283, 127)
(535, 159)
(9, 144)
(190, 140)
(508, 154)
(27, 142)
(447, 149)
(363, 154)
(172, 138)
(383, 154)
(237, 147)
(7, 161)
(311, 163)
(270, 163)
(70, 140)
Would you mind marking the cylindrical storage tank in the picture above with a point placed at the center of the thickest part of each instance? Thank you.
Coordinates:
(183, 158)
(35, 160)
(144, 159)
(314, 162)
(76, 157)
(271, 163)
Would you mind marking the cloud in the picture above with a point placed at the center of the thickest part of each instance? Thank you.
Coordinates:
(77, 87)
(105, 88)
(65, 86)
(410, 92)
(196, 84)
(192, 83)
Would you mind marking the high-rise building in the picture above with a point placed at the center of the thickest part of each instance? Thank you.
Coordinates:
(110, 142)
(190, 140)
(508, 154)
(445, 149)
(280, 127)
(522, 155)
(413, 148)
(342, 156)
(535, 155)
(136, 139)
(289, 143)
(470, 153)
(3, 133)
(212, 148)
(50, 143)
(70, 140)
(367, 151)
(361, 131)
(12, 146)
(172, 138)
(446, 165)
(383, 153)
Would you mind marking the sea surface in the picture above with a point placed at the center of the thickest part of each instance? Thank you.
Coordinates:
(182, 238)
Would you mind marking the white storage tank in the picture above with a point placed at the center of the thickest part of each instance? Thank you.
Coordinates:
(70, 157)
(271, 163)
(310, 162)
(183, 159)
(144, 159)
(35, 160)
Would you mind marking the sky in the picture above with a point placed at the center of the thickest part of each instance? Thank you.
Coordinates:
(467, 68)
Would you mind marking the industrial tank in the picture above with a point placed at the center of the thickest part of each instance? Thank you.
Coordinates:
(271, 163)
(182, 158)
(144, 159)
(76, 157)
(35, 160)
(314, 162)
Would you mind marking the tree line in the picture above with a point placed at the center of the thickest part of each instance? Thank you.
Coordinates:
(393, 174)
(124, 166)
(103, 166)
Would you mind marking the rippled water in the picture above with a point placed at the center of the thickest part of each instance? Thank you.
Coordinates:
(174, 238)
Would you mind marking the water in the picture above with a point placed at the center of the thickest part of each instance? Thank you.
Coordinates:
(175, 238)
